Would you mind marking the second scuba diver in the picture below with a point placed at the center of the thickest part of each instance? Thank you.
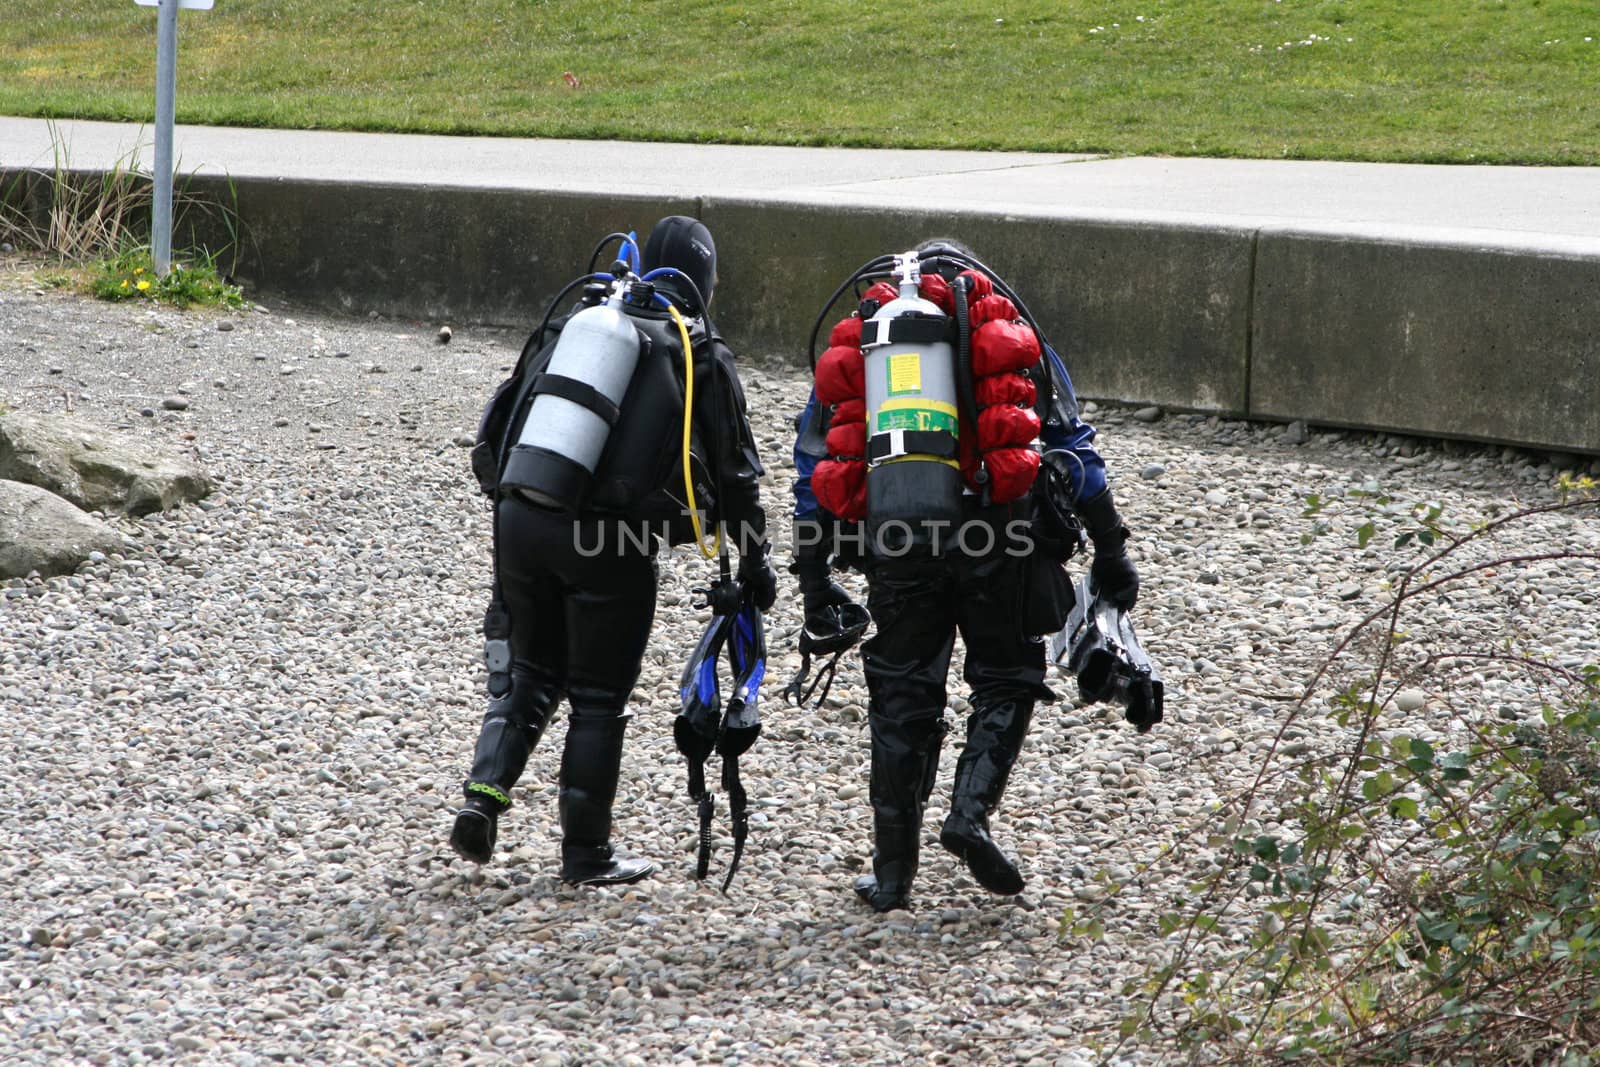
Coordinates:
(941, 453)
(591, 465)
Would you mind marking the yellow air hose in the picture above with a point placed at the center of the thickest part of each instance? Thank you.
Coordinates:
(688, 413)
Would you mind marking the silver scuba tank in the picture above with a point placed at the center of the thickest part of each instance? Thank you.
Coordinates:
(913, 473)
(575, 405)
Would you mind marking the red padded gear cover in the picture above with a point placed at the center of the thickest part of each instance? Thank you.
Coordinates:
(981, 285)
(841, 374)
(989, 309)
(1001, 346)
(882, 292)
(841, 487)
(846, 332)
(847, 440)
(1006, 389)
(852, 410)
(1011, 473)
(1006, 426)
(933, 287)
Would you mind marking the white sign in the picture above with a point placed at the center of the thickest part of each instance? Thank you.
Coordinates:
(190, 5)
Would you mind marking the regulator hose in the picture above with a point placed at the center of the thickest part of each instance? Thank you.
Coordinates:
(964, 387)
(688, 417)
(873, 267)
(700, 299)
(629, 252)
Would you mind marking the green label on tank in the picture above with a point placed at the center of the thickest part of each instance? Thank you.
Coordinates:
(909, 418)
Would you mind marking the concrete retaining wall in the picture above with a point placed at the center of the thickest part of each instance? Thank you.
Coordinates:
(474, 255)
(1184, 346)
(1486, 343)
(1410, 335)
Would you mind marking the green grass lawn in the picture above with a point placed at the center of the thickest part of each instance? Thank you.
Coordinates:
(1511, 81)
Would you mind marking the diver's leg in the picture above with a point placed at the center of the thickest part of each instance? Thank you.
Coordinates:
(609, 614)
(514, 722)
(905, 663)
(1005, 669)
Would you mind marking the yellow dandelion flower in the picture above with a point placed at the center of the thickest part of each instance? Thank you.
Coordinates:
(124, 283)
(144, 283)
(138, 271)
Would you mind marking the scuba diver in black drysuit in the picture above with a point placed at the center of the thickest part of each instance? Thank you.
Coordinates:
(873, 419)
(576, 533)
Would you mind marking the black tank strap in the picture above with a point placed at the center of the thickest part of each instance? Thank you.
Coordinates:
(908, 329)
(581, 393)
(892, 443)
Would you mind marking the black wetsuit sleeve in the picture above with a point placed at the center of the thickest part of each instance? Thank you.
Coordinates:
(722, 411)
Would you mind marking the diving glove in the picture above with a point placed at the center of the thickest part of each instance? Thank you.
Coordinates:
(1113, 573)
(821, 596)
(755, 571)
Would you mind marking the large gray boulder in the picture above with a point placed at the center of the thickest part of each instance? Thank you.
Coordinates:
(93, 468)
(41, 532)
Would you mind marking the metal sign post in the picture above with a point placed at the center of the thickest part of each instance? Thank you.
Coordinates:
(166, 107)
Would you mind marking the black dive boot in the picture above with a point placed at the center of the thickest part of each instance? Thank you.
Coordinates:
(994, 740)
(589, 768)
(511, 728)
(905, 757)
(473, 835)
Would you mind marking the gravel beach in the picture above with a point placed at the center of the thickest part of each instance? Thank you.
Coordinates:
(235, 747)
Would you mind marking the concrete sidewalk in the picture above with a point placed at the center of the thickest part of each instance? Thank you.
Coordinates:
(1456, 301)
(1533, 207)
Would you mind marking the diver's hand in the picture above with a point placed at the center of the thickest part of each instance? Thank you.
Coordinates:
(1113, 573)
(755, 571)
(822, 602)
(1115, 577)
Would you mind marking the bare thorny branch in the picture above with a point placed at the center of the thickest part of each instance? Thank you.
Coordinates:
(1220, 898)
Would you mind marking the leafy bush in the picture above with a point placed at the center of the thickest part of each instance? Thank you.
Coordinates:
(1400, 899)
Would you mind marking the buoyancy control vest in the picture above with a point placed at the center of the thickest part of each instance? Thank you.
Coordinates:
(592, 422)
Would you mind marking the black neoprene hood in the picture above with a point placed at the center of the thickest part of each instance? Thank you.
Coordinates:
(685, 243)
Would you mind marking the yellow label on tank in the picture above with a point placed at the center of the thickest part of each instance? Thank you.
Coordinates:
(905, 373)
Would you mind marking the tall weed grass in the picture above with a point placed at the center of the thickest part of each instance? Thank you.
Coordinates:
(97, 223)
